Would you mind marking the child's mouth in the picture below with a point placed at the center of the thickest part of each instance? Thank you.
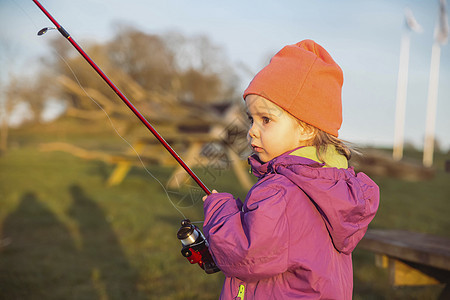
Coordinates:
(257, 149)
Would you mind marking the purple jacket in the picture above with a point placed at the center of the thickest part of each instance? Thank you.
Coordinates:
(293, 236)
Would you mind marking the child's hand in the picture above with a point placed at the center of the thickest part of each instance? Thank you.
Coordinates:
(204, 197)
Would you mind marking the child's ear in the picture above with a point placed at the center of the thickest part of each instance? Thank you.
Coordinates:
(307, 132)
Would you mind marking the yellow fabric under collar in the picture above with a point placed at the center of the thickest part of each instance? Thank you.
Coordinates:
(332, 158)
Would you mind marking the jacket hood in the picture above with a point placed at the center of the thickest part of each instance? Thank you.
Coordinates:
(346, 201)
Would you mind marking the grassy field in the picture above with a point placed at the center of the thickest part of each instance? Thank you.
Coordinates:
(65, 235)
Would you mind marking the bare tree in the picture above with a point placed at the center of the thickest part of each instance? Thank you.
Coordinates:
(203, 69)
(156, 70)
(11, 97)
(4, 120)
(7, 83)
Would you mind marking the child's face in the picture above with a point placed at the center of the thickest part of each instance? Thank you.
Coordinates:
(273, 131)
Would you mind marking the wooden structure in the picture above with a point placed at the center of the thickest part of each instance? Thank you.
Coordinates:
(379, 163)
(205, 145)
(209, 137)
(412, 258)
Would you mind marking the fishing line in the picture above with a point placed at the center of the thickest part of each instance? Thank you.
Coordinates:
(118, 133)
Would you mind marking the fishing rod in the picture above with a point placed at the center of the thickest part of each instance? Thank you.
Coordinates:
(195, 247)
(65, 34)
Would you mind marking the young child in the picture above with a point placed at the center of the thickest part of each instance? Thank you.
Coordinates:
(293, 236)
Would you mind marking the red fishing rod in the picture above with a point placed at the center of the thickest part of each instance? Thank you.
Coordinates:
(121, 95)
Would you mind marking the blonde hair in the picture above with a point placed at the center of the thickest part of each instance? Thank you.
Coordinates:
(321, 140)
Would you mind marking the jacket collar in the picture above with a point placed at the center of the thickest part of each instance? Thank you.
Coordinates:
(332, 158)
(298, 156)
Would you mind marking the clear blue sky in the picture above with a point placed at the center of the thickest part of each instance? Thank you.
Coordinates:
(362, 35)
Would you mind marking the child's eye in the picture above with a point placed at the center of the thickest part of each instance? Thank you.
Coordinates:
(265, 120)
(250, 119)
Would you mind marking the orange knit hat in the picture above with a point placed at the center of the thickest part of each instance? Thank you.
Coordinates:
(305, 81)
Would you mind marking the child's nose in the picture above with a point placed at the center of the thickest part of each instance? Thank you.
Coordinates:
(252, 132)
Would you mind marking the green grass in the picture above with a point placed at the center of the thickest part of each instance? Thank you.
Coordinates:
(66, 235)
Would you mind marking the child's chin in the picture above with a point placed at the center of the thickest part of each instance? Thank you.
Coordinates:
(262, 158)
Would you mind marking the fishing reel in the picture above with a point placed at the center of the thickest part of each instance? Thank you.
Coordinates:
(195, 247)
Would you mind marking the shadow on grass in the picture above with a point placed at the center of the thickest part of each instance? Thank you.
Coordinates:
(43, 260)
